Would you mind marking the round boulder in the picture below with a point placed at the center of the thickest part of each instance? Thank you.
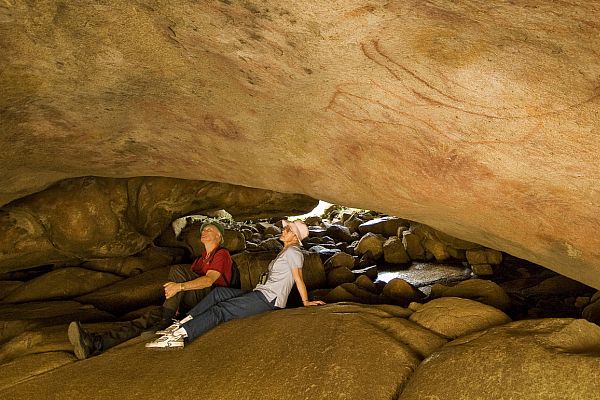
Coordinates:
(370, 242)
(483, 291)
(340, 259)
(364, 282)
(386, 226)
(484, 256)
(339, 232)
(453, 317)
(394, 251)
(398, 291)
(352, 292)
(339, 275)
(413, 246)
(271, 244)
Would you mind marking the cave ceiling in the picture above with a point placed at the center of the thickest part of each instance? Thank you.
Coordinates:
(478, 118)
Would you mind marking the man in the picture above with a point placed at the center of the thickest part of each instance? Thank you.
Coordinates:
(225, 304)
(185, 288)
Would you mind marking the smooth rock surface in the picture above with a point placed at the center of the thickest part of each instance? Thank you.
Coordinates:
(421, 274)
(92, 217)
(130, 294)
(320, 364)
(29, 367)
(552, 359)
(150, 258)
(63, 283)
(18, 318)
(7, 287)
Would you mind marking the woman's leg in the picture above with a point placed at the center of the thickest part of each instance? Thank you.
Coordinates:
(215, 296)
(233, 308)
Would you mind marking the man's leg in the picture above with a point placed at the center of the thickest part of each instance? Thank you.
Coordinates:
(192, 297)
(87, 343)
(233, 308)
(126, 331)
(178, 273)
(218, 294)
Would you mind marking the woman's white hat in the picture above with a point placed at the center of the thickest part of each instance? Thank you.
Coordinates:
(298, 228)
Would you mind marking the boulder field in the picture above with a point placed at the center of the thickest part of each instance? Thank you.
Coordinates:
(437, 329)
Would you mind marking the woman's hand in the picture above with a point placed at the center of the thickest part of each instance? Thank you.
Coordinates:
(171, 289)
(313, 303)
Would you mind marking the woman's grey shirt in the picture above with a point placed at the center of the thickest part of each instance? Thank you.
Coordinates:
(281, 281)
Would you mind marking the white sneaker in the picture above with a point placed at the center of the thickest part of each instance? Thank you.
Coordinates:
(165, 341)
(169, 331)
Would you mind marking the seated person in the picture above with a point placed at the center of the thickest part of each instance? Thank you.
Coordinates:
(185, 288)
(225, 304)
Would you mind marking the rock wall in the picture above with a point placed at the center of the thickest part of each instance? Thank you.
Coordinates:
(87, 218)
(477, 118)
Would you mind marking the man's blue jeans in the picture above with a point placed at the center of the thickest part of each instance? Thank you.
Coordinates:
(224, 304)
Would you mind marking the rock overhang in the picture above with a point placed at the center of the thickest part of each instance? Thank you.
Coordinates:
(477, 119)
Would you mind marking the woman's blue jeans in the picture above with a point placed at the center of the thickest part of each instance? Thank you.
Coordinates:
(224, 304)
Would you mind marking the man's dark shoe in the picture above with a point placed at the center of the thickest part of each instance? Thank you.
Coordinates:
(82, 341)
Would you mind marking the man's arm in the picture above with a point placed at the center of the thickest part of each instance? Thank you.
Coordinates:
(297, 274)
(218, 266)
(172, 288)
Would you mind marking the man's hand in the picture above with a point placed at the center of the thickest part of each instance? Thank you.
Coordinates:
(171, 289)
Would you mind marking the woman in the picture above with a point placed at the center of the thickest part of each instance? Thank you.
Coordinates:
(225, 304)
